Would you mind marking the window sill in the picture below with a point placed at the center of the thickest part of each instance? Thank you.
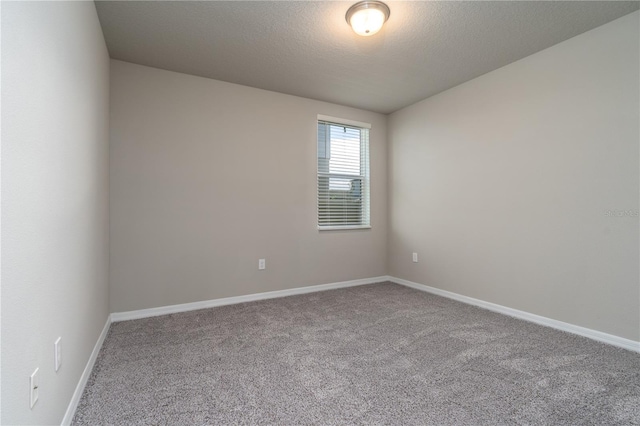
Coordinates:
(343, 228)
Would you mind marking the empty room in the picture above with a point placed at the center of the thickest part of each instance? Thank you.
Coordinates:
(320, 212)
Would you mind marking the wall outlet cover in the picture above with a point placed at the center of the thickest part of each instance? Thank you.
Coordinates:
(57, 353)
(34, 384)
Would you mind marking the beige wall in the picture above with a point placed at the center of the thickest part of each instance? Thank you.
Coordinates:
(55, 78)
(207, 177)
(502, 184)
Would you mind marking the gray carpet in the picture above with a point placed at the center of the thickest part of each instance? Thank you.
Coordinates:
(375, 354)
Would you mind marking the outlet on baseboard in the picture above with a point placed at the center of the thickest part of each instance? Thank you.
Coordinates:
(262, 264)
(415, 257)
(57, 353)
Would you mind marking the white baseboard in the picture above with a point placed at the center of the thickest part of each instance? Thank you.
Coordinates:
(172, 309)
(610, 339)
(77, 394)
(599, 336)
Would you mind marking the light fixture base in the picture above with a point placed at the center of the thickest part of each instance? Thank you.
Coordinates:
(367, 7)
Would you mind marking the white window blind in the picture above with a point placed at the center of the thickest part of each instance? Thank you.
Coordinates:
(343, 176)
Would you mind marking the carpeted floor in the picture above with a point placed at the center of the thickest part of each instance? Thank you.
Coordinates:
(375, 354)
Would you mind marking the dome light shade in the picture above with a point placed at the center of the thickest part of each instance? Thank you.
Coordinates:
(367, 17)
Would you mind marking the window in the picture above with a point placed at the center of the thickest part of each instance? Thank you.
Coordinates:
(343, 174)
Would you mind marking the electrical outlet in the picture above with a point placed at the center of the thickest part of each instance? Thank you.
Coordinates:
(34, 383)
(262, 264)
(57, 353)
(415, 257)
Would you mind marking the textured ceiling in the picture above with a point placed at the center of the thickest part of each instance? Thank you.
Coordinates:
(306, 48)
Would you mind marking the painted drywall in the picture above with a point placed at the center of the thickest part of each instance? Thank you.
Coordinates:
(55, 89)
(208, 177)
(521, 187)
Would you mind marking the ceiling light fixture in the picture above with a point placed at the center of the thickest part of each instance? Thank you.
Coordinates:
(367, 17)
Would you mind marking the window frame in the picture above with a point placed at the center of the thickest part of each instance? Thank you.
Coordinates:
(366, 180)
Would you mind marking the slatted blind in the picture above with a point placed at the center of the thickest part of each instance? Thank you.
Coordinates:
(343, 176)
